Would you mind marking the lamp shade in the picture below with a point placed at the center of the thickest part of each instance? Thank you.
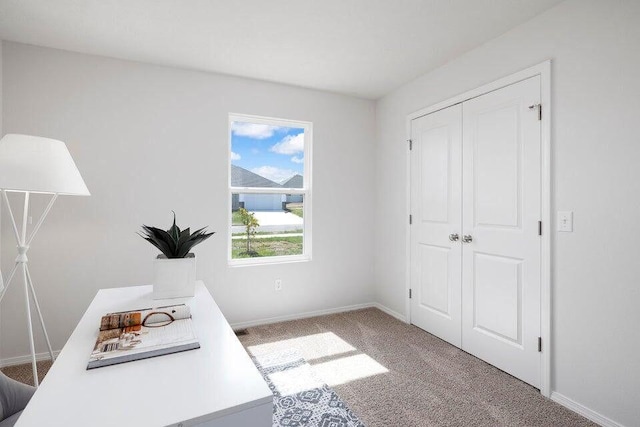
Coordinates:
(39, 165)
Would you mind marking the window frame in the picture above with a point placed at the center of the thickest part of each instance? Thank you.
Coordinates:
(305, 191)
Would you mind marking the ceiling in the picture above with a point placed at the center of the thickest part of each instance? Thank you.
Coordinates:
(357, 47)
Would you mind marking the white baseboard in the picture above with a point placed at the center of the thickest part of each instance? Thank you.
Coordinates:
(583, 410)
(19, 360)
(277, 319)
(390, 312)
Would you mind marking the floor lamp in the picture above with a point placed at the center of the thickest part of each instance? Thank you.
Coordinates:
(31, 164)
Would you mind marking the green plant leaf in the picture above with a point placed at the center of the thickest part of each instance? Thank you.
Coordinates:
(184, 236)
(186, 248)
(195, 239)
(198, 231)
(174, 231)
(174, 243)
(162, 236)
(162, 246)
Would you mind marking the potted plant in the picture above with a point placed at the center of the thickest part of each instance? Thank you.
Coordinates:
(175, 268)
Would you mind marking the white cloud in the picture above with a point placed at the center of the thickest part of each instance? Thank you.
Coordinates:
(273, 173)
(283, 129)
(290, 144)
(253, 130)
(296, 159)
(235, 156)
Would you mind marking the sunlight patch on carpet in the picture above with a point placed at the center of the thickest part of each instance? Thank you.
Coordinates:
(311, 347)
(346, 369)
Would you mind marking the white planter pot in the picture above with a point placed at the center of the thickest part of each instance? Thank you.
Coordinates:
(174, 277)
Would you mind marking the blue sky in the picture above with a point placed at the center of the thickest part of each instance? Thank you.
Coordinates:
(276, 153)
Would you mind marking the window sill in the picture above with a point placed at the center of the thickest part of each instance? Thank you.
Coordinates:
(246, 262)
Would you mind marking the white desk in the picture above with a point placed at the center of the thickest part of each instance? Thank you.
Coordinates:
(214, 386)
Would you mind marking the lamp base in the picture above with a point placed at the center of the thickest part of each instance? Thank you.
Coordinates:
(21, 264)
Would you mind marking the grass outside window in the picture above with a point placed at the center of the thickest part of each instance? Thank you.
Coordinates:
(267, 246)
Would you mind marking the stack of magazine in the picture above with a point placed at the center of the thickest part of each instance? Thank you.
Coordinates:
(139, 334)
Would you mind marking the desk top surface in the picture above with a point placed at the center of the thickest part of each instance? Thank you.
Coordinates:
(191, 387)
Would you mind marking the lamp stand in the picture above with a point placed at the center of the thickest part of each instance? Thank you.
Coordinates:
(21, 264)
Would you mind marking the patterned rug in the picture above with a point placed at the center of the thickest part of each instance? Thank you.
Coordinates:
(300, 399)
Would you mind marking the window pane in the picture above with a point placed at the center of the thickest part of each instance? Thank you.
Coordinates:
(265, 225)
(266, 155)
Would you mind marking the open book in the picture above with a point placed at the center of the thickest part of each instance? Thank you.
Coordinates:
(140, 334)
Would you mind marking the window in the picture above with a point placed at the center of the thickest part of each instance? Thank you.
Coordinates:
(269, 190)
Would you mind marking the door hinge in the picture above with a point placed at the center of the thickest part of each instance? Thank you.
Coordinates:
(539, 107)
(410, 144)
(539, 228)
(410, 294)
(410, 219)
(540, 344)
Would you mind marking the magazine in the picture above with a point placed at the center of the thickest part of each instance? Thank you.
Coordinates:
(139, 334)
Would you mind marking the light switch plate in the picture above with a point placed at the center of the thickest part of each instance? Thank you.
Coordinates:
(565, 221)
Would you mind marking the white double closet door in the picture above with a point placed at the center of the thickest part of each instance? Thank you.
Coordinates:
(475, 244)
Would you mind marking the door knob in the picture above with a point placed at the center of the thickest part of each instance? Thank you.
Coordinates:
(467, 238)
(453, 237)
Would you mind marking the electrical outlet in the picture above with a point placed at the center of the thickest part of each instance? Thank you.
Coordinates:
(278, 284)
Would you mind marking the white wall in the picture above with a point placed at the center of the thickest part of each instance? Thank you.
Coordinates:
(595, 48)
(149, 139)
(127, 124)
(1, 207)
(1, 134)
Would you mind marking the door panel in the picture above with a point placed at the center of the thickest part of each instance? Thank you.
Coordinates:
(434, 174)
(498, 296)
(436, 180)
(434, 279)
(501, 209)
(497, 166)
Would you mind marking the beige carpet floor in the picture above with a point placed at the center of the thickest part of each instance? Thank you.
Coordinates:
(395, 375)
(24, 373)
